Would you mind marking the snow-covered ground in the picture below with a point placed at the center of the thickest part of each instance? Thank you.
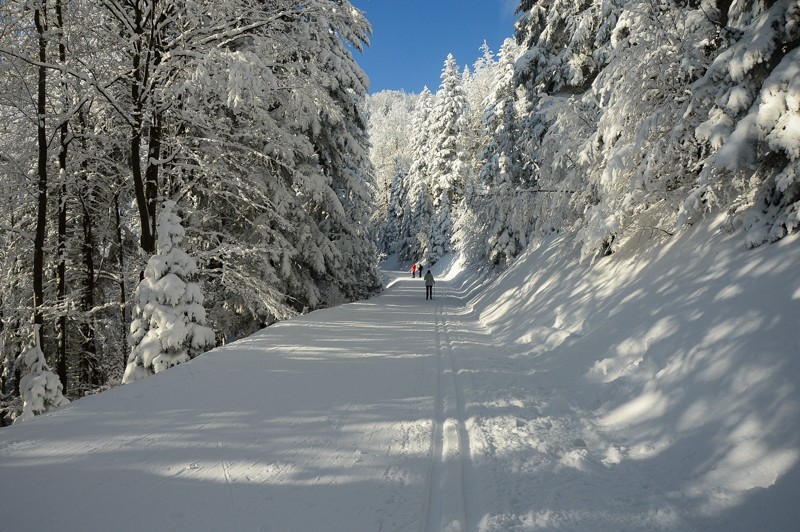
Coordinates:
(656, 389)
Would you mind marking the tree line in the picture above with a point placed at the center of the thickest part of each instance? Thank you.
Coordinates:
(604, 120)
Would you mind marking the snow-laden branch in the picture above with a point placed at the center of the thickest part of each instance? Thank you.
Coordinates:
(81, 76)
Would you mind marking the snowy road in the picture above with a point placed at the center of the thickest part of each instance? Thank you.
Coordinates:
(353, 418)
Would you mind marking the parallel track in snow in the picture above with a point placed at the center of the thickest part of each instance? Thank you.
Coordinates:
(449, 501)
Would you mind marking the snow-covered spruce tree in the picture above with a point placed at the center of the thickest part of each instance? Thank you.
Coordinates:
(419, 214)
(640, 151)
(500, 210)
(441, 232)
(566, 46)
(333, 179)
(469, 227)
(40, 388)
(478, 87)
(566, 42)
(446, 169)
(415, 228)
(339, 138)
(169, 326)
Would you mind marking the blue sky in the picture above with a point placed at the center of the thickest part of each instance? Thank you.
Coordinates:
(411, 38)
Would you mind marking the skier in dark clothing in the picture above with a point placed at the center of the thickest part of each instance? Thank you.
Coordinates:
(429, 282)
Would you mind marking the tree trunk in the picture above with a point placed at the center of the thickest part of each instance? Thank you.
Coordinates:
(61, 323)
(123, 320)
(151, 176)
(89, 365)
(40, 21)
(61, 247)
(138, 86)
(146, 239)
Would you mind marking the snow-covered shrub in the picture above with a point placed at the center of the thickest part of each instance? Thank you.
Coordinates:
(40, 388)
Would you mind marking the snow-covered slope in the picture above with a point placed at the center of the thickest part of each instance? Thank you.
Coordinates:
(667, 376)
(655, 389)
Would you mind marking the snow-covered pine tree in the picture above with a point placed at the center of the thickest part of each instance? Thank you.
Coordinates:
(169, 326)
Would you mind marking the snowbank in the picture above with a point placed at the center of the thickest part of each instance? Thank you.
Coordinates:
(678, 359)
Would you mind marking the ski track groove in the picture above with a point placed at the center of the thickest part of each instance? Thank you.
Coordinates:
(463, 436)
(448, 505)
(435, 461)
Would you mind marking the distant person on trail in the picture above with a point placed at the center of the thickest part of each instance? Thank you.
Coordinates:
(413, 270)
(429, 282)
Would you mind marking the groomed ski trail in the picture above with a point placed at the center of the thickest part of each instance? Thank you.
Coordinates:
(451, 502)
(349, 418)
